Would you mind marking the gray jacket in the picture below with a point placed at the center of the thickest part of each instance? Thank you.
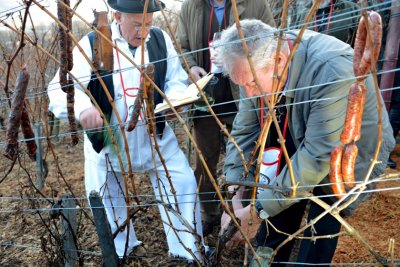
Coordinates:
(320, 77)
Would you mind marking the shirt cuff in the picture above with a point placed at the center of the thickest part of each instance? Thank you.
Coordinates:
(82, 103)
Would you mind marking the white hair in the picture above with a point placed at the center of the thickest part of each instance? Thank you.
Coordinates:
(123, 15)
(261, 40)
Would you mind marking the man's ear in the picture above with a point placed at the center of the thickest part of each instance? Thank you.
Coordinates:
(117, 16)
(283, 58)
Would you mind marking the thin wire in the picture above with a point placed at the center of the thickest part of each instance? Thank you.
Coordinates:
(19, 8)
(246, 98)
(340, 14)
(144, 205)
(12, 198)
(294, 263)
(196, 51)
(338, 263)
(235, 101)
(141, 124)
(171, 259)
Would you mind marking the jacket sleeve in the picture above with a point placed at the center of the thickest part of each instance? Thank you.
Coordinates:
(324, 122)
(182, 34)
(82, 71)
(245, 131)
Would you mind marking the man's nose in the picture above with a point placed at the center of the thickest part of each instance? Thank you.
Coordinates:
(139, 34)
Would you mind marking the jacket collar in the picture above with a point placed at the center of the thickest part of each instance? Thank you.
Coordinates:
(298, 60)
(199, 1)
(240, 7)
(238, 2)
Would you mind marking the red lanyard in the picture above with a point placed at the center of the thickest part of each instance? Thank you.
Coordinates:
(329, 20)
(211, 19)
(126, 90)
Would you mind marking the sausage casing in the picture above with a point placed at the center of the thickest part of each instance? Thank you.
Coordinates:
(357, 133)
(14, 118)
(28, 133)
(375, 25)
(335, 173)
(348, 164)
(360, 60)
(363, 52)
(352, 120)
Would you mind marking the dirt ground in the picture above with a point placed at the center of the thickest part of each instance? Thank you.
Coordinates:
(29, 237)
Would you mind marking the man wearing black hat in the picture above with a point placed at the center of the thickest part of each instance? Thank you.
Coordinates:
(103, 173)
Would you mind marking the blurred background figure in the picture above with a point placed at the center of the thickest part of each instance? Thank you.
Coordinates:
(338, 18)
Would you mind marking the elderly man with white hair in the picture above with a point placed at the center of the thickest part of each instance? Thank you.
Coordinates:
(313, 109)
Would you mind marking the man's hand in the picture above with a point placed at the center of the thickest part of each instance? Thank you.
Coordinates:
(90, 119)
(249, 222)
(245, 216)
(236, 204)
(197, 72)
(170, 115)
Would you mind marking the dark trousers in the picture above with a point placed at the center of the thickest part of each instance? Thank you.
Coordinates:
(394, 113)
(209, 137)
(288, 221)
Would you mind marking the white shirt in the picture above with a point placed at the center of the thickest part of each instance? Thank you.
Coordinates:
(138, 140)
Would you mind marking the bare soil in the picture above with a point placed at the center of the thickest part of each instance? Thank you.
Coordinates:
(29, 237)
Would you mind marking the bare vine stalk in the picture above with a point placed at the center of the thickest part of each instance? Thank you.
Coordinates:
(82, 86)
(203, 96)
(21, 45)
(364, 4)
(107, 126)
(148, 97)
(180, 119)
(216, 188)
(121, 125)
(348, 227)
(335, 209)
(149, 100)
(143, 73)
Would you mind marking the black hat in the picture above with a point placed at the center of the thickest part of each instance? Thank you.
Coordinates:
(134, 6)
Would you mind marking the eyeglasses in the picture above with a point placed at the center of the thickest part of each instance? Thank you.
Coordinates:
(138, 28)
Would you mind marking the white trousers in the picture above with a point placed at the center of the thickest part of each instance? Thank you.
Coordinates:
(181, 241)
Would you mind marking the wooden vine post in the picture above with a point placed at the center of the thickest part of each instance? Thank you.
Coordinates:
(39, 162)
(69, 228)
(110, 257)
